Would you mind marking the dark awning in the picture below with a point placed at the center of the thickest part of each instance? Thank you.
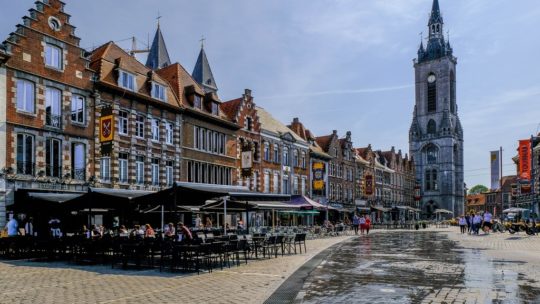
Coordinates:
(54, 197)
(37, 201)
(380, 208)
(248, 205)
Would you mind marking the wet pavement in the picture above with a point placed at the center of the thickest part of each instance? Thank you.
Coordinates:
(420, 267)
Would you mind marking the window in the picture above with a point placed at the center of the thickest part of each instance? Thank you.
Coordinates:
(303, 159)
(139, 126)
(25, 154)
(169, 135)
(215, 108)
(78, 161)
(203, 139)
(431, 154)
(295, 185)
(123, 167)
(276, 183)
(197, 101)
(105, 169)
(286, 185)
(53, 56)
(53, 114)
(266, 182)
(431, 127)
(285, 156)
(77, 109)
(54, 24)
(216, 142)
(222, 148)
(452, 92)
(155, 172)
(158, 92)
(155, 129)
(295, 158)
(266, 151)
(432, 96)
(53, 158)
(303, 185)
(126, 80)
(169, 172)
(431, 180)
(249, 126)
(139, 169)
(123, 122)
(25, 96)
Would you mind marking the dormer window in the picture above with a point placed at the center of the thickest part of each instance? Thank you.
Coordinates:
(215, 108)
(158, 92)
(126, 80)
(249, 124)
(197, 101)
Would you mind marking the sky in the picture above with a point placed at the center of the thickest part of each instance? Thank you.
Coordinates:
(343, 65)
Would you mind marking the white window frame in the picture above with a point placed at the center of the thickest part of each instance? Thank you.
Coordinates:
(139, 170)
(139, 126)
(50, 154)
(78, 109)
(79, 159)
(169, 173)
(155, 129)
(105, 169)
(123, 126)
(123, 167)
(276, 183)
(155, 172)
(53, 56)
(26, 100)
(127, 80)
(27, 154)
(159, 91)
(266, 188)
(169, 133)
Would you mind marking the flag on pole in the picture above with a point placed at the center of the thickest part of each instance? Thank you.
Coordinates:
(495, 170)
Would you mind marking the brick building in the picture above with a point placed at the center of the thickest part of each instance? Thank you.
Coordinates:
(341, 168)
(145, 152)
(285, 157)
(318, 163)
(46, 104)
(248, 141)
(475, 203)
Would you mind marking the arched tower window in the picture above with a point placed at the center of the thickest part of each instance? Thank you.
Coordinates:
(431, 127)
(452, 92)
(432, 154)
(431, 93)
(431, 180)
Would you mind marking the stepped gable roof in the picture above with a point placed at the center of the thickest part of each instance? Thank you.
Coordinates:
(324, 141)
(271, 124)
(232, 107)
(298, 128)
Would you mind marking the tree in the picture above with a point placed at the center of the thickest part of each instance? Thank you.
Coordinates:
(478, 189)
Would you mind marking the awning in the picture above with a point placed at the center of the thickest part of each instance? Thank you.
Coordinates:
(196, 194)
(380, 208)
(514, 210)
(242, 206)
(301, 212)
(304, 201)
(54, 197)
(38, 201)
(443, 211)
(119, 193)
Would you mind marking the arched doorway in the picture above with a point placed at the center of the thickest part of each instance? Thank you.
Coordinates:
(429, 209)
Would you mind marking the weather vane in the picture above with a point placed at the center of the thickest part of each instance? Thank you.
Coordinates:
(202, 41)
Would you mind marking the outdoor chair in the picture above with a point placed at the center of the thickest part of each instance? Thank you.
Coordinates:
(269, 246)
(299, 239)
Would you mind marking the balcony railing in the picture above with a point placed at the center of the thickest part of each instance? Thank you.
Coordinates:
(53, 120)
(27, 168)
(53, 171)
(79, 174)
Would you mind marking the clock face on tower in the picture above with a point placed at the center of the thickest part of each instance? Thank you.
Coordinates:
(431, 78)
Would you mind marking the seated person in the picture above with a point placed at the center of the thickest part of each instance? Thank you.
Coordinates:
(149, 232)
(184, 233)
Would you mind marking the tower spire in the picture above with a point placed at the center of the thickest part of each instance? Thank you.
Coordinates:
(158, 57)
(436, 46)
(202, 73)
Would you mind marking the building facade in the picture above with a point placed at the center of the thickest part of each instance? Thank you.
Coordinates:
(436, 135)
(46, 103)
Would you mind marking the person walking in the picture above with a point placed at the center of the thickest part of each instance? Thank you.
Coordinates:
(355, 223)
(368, 224)
(462, 224)
(468, 219)
(477, 222)
(362, 223)
(486, 225)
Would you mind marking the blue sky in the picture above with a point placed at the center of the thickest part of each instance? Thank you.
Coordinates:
(344, 65)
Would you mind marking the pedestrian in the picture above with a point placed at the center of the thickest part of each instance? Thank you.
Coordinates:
(486, 225)
(12, 226)
(368, 224)
(462, 224)
(468, 219)
(355, 223)
(362, 223)
(29, 227)
(477, 222)
(54, 225)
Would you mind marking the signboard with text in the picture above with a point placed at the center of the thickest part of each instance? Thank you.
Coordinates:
(318, 176)
(247, 163)
(369, 184)
(524, 159)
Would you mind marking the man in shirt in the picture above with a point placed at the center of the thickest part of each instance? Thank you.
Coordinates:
(186, 233)
(487, 221)
(12, 226)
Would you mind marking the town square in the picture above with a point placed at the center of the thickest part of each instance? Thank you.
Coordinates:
(332, 151)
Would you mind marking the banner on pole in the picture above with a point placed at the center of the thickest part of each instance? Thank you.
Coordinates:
(525, 159)
(495, 170)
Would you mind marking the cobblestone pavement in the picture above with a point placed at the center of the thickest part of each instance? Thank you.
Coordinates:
(37, 282)
(428, 266)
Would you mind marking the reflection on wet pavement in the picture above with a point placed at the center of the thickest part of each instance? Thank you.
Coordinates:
(403, 267)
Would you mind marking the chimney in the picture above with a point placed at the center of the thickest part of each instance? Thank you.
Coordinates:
(295, 120)
(247, 92)
(334, 132)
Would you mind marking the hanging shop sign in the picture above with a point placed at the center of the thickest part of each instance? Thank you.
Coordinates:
(318, 176)
(369, 184)
(525, 159)
(247, 163)
(106, 131)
